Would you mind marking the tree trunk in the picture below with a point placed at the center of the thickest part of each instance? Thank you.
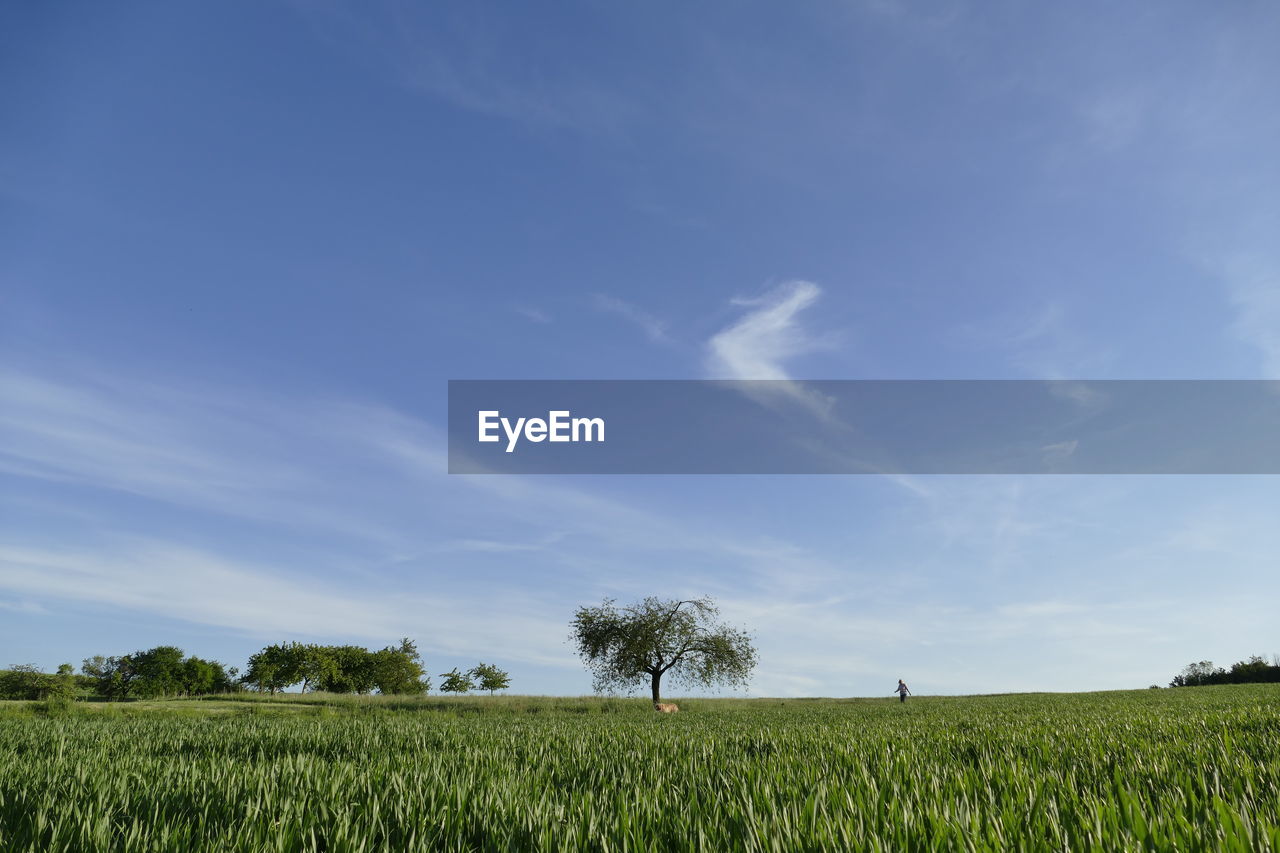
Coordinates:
(657, 681)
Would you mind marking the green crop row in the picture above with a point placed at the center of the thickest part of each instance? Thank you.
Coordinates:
(1193, 769)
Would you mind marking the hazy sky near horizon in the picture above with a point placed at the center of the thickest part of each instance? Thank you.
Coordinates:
(243, 246)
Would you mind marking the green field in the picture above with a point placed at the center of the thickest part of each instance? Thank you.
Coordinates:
(1188, 769)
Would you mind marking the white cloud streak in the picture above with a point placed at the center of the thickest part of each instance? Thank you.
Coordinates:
(236, 455)
(1254, 289)
(653, 328)
(1041, 342)
(28, 607)
(204, 588)
(762, 340)
(535, 315)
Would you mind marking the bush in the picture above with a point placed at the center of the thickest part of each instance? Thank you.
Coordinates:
(24, 681)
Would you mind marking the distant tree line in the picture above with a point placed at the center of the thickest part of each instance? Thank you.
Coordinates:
(1251, 671)
(162, 671)
(23, 681)
(338, 669)
(167, 671)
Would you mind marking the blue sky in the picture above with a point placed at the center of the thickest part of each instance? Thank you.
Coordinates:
(243, 246)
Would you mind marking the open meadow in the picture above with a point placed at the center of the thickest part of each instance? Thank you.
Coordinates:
(1184, 769)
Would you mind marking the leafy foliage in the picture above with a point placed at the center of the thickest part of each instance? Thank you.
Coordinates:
(158, 672)
(455, 681)
(24, 681)
(161, 671)
(1255, 670)
(275, 667)
(338, 669)
(399, 669)
(628, 648)
(352, 670)
(112, 676)
(489, 677)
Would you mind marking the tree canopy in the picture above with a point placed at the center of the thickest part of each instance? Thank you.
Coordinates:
(627, 648)
(161, 671)
(26, 681)
(489, 677)
(455, 681)
(1253, 670)
(339, 669)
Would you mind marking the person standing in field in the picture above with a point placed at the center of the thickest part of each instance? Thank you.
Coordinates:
(902, 690)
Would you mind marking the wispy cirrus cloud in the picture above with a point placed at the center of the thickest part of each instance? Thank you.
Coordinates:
(1254, 290)
(496, 546)
(303, 467)
(653, 328)
(236, 455)
(160, 578)
(760, 343)
(769, 334)
(468, 78)
(536, 315)
(477, 61)
(1040, 341)
(28, 607)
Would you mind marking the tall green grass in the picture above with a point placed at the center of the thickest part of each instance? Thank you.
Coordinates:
(1193, 769)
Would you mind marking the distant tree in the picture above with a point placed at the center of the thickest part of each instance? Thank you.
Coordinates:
(353, 670)
(113, 677)
(1254, 670)
(455, 681)
(158, 671)
(489, 677)
(274, 668)
(64, 683)
(1251, 671)
(337, 669)
(632, 647)
(26, 681)
(398, 669)
(1195, 674)
(201, 676)
(315, 666)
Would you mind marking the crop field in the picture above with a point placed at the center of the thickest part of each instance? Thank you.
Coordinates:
(1188, 769)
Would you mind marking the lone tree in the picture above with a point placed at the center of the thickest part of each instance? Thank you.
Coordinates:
(489, 677)
(629, 647)
(455, 681)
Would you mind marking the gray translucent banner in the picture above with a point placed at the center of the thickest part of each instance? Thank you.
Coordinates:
(864, 427)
